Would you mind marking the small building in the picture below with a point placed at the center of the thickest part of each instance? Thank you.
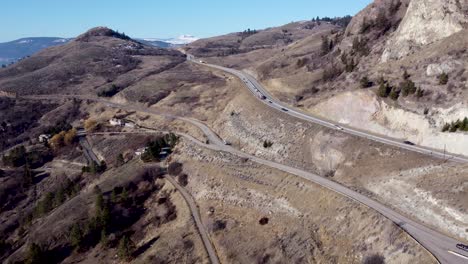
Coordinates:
(43, 138)
(116, 122)
(140, 151)
(129, 124)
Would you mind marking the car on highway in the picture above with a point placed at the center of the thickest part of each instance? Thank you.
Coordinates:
(408, 143)
(284, 109)
(462, 247)
(270, 101)
(338, 127)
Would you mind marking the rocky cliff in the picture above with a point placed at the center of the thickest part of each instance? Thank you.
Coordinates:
(425, 22)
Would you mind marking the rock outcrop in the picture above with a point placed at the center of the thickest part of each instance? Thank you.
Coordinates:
(425, 22)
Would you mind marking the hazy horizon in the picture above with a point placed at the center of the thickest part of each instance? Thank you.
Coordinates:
(143, 19)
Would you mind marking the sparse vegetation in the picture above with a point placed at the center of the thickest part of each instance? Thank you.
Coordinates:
(95, 168)
(327, 45)
(301, 62)
(175, 168)
(18, 157)
(126, 248)
(459, 125)
(384, 89)
(109, 92)
(153, 148)
(331, 72)
(394, 94)
(360, 46)
(35, 255)
(407, 87)
(365, 82)
(443, 78)
(63, 138)
(374, 259)
(90, 125)
(267, 143)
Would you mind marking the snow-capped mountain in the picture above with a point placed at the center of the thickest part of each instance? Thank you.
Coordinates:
(14, 50)
(181, 40)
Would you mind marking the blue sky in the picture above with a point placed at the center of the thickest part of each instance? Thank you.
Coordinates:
(156, 18)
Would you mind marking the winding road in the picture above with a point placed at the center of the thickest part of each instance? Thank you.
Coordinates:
(256, 88)
(440, 245)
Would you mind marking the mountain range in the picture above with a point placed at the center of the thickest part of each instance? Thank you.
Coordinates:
(15, 50)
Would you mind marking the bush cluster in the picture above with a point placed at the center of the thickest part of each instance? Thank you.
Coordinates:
(153, 148)
(461, 125)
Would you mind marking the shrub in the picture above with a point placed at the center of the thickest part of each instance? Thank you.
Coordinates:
(365, 26)
(407, 87)
(419, 92)
(443, 78)
(365, 82)
(382, 22)
(76, 236)
(331, 72)
(360, 46)
(119, 160)
(301, 62)
(90, 125)
(109, 92)
(327, 45)
(394, 94)
(374, 259)
(174, 168)
(183, 179)
(35, 255)
(267, 144)
(384, 90)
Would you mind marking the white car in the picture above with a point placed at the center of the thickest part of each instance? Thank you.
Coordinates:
(338, 127)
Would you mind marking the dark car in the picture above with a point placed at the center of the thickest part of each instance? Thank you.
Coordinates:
(462, 247)
(408, 143)
(284, 109)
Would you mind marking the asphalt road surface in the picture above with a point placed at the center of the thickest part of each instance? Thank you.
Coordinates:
(257, 89)
(441, 246)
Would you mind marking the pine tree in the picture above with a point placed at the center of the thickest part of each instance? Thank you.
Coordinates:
(125, 249)
(76, 236)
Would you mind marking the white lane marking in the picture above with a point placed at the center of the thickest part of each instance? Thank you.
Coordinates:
(457, 254)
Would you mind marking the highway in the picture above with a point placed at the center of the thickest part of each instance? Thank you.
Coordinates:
(440, 245)
(256, 88)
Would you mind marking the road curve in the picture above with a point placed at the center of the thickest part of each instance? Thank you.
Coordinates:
(197, 218)
(437, 243)
(253, 85)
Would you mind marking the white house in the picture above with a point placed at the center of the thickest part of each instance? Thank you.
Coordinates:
(116, 122)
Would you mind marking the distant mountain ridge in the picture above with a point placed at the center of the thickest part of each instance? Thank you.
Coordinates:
(15, 50)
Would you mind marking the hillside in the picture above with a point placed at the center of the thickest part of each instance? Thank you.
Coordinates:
(59, 205)
(345, 69)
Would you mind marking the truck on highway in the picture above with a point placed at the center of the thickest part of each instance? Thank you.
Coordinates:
(407, 142)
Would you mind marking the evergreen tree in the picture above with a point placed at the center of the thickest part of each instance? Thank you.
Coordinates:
(76, 236)
(126, 248)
